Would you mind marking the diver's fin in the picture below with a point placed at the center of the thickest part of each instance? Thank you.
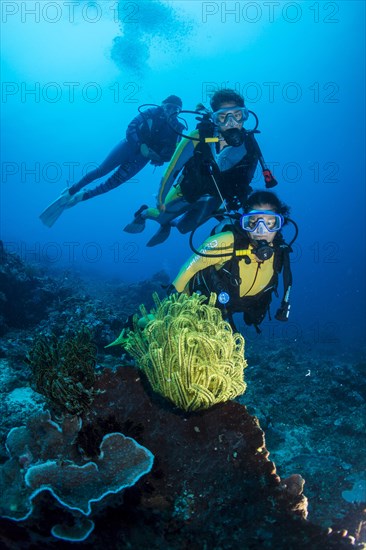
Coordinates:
(138, 223)
(204, 208)
(51, 214)
(136, 226)
(187, 223)
(160, 236)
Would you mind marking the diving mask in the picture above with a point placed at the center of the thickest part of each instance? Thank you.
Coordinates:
(231, 117)
(261, 221)
(171, 109)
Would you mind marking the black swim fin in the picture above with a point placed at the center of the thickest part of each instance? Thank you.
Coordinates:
(160, 236)
(138, 223)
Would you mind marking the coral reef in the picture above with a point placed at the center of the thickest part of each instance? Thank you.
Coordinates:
(64, 370)
(318, 430)
(26, 292)
(211, 484)
(309, 397)
(45, 457)
(188, 352)
(58, 301)
(357, 493)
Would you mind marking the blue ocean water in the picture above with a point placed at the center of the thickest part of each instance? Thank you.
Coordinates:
(73, 76)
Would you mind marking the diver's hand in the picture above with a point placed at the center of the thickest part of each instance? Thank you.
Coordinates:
(144, 150)
(161, 207)
(150, 154)
(205, 126)
(155, 159)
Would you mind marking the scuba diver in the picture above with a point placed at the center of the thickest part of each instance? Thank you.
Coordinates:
(242, 263)
(215, 165)
(151, 136)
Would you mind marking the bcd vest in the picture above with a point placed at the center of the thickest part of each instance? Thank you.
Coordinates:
(227, 279)
(202, 176)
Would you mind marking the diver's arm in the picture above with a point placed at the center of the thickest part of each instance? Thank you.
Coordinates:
(133, 130)
(216, 246)
(183, 153)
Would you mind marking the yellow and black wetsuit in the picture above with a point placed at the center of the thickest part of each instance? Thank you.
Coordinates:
(169, 199)
(248, 281)
(251, 282)
(205, 172)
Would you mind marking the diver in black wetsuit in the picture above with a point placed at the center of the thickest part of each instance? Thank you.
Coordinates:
(150, 137)
(203, 177)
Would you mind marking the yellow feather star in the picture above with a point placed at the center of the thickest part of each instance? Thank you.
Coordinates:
(188, 352)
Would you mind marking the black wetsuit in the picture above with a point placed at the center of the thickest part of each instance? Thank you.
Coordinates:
(149, 127)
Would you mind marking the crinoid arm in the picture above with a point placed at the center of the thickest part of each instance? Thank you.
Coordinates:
(189, 354)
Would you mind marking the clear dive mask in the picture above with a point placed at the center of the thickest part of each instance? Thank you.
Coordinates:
(231, 117)
(261, 221)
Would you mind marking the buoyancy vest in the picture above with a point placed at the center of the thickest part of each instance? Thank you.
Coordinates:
(158, 134)
(199, 174)
(227, 279)
(202, 176)
(236, 180)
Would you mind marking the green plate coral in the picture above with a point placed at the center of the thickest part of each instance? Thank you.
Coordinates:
(188, 352)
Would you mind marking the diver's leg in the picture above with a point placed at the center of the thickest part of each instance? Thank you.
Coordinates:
(118, 156)
(173, 209)
(127, 170)
(174, 206)
(199, 212)
(126, 155)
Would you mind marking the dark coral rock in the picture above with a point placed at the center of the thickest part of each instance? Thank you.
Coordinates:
(26, 292)
(212, 485)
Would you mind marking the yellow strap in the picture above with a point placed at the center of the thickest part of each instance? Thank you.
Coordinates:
(244, 252)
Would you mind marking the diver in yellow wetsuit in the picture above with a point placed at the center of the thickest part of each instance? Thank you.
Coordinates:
(241, 264)
(210, 174)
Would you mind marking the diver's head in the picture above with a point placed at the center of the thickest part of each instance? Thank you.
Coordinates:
(172, 105)
(223, 96)
(264, 216)
(229, 115)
